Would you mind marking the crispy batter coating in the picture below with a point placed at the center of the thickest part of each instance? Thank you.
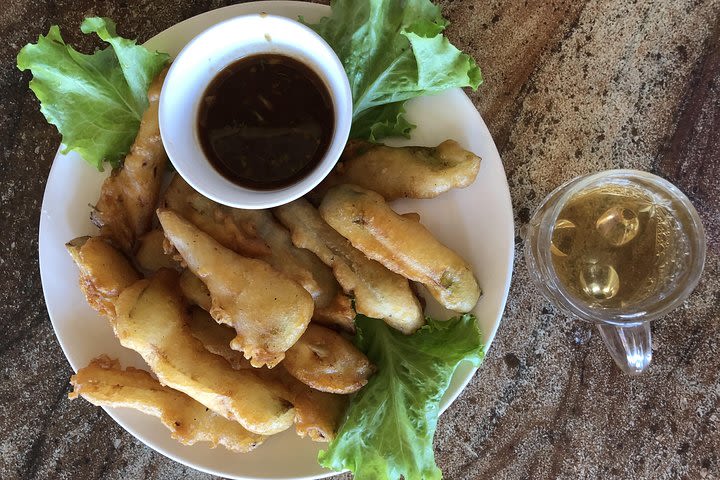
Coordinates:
(152, 320)
(268, 310)
(104, 383)
(404, 172)
(150, 254)
(214, 219)
(317, 414)
(194, 290)
(104, 272)
(338, 314)
(378, 292)
(325, 361)
(216, 338)
(403, 245)
(130, 194)
(332, 306)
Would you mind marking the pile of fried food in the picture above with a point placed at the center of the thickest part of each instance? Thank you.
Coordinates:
(244, 316)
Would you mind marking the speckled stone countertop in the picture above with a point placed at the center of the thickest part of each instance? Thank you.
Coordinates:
(572, 86)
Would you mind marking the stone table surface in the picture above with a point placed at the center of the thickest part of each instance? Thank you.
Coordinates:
(572, 86)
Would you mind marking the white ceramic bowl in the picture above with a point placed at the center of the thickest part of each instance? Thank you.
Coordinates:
(208, 54)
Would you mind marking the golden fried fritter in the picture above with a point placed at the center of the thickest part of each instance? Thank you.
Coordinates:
(268, 310)
(150, 254)
(104, 272)
(403, 245)
(130, 194)
(404, 172)
(325, 361)
(214, 219)
(194, 290)
(216, 338)
(152, 320)
(317, 414)
(338, 314)
(104, 383)
(378, 292)
(332, 306)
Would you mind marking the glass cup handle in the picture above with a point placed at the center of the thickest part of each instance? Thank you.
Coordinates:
(630, 347)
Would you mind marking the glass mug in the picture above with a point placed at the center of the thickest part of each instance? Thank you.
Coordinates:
(657, 272)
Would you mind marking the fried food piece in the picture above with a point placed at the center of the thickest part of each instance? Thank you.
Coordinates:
(338, 314)
(401, 244)
(216, 338)
(194, 290)
(325, 361)
(404, 172)
(130, 194)
(378, 292)
(414, 216)
(332, 306)
(104, 383)
(268, 310)
(214, 219)
(317, 414)
(104, 272)
(150, 254)
(151, 319)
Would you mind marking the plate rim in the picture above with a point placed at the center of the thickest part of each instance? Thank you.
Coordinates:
(447, 401)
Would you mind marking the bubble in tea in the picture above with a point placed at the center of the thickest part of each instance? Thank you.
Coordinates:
(599, 281)
(618, 225)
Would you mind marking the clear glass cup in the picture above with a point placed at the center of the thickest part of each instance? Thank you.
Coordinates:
(625, 329)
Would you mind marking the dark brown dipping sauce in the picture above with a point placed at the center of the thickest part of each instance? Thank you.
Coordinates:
(265, 121)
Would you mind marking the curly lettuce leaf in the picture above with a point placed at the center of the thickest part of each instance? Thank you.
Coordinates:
(96, 101)
(384, 121)
(390, 423)
(393, 51)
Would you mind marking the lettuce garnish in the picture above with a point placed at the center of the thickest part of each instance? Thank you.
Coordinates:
(95, 101)
(392, 51)
(389, 426)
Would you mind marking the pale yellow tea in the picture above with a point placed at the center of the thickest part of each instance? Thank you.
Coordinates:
(614, 246)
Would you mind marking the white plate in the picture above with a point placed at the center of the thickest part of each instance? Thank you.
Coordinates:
(477, 222)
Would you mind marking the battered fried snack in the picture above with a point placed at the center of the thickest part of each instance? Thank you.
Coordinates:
(325, 361)
(403, 245)
(404, 172)
(104, 272)
(378, 292)
(317, 414)
(332, 306)
(216, 338)
(339, 313)
(150, 254)
(268, 310)
(195, 291)
(151, 319)
(130, 194)
(213, 219)
(104, 383)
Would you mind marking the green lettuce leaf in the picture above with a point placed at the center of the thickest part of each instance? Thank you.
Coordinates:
(95, 101)
(383, 121)
(393, 51)
(390, 423)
